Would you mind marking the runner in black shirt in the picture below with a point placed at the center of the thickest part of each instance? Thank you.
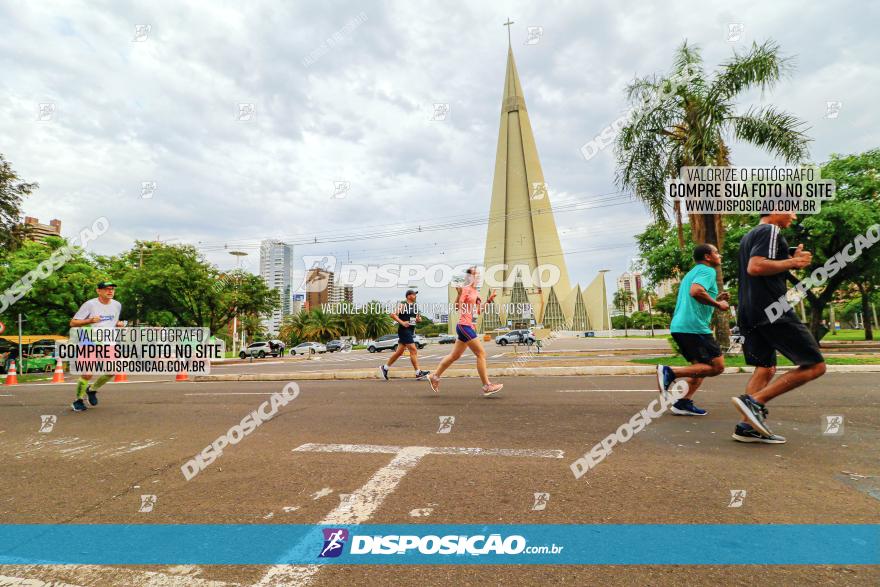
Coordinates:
(764, 262)
(406, 317)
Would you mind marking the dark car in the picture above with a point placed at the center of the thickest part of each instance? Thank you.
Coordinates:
(446, 339)
(334, 346)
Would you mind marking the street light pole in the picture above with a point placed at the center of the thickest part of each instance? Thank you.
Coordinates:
(238, 255)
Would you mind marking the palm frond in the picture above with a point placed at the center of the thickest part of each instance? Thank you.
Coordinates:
(777, 132)
(761, 66)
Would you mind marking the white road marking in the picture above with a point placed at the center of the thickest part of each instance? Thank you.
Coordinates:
(236, 393)
(599, 390)
(251, 364)
(366, 500)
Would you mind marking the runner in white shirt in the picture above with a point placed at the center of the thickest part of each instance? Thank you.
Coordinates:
(101, 312)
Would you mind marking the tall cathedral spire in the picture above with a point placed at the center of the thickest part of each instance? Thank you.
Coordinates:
(522, 230)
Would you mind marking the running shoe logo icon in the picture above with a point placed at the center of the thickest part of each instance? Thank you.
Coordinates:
(737, 498)
(541, 500)
(833, 425)
(47, 423)
(446, 423)
(334, 541)
(147, 503)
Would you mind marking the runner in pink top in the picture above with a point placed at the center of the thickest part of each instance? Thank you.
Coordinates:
(468, 304)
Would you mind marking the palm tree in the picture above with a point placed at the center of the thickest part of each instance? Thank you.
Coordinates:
(375, 321)
(688, 118)
(648, 297)
(322, 326)
(622, 300)
(352, 325)
(293, 328)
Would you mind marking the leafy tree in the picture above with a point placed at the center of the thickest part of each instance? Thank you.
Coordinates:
(52, 301)
(172, 285)
(12, 192)
(688, 119)
(855, 208)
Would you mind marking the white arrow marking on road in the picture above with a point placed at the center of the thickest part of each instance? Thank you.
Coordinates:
(368, 498)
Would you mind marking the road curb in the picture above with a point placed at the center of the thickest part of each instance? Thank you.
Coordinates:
(355, 374)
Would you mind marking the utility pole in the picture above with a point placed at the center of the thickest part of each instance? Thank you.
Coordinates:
(20, 356)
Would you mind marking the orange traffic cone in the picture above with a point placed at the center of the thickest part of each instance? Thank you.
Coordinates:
(12, 376)
(182, 376)
(59, 372)
(120, 378)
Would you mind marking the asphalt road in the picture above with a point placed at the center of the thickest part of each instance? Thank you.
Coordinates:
(93, 467)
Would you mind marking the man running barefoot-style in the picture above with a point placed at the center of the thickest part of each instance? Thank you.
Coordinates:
(469, 304)
(103, 313)
(406, 316)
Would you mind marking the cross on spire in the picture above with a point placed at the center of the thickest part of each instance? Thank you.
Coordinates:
(507, 24)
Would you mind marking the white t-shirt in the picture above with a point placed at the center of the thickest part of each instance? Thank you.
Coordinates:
(109, 313)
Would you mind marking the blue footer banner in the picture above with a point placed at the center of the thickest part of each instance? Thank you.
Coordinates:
(428, 544)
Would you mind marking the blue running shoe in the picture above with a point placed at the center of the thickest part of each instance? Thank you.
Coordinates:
(93, 396)
(79, 406)
(665, 377)
(686, 407)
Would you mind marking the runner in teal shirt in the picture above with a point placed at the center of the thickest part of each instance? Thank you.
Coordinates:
(696, 302)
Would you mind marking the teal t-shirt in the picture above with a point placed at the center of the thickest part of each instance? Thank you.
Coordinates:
(690, 315)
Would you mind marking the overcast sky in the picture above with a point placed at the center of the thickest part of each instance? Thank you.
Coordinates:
(161, 103)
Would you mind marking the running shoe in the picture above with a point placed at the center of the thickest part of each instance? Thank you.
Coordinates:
(686, 407)
(421, 374)
(434, 381)
(79, 406)
(745, 433)
(383, 370)
(665, 377)
(754, 412)
(492, 389)
(93, 396)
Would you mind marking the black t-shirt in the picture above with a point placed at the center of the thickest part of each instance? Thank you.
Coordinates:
(756, 293)
(406, 311)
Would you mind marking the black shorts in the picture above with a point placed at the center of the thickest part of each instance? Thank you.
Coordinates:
(789, 337)
(697, 348)
(405, 336)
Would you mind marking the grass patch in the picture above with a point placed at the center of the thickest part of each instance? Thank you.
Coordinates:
(845, 334)
(739, 361)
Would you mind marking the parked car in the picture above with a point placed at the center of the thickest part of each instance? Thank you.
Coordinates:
(308, 348)
(516, 337)
(37, 356)
(261, 350)
(446, 339)
(334, 346)
(389, 341)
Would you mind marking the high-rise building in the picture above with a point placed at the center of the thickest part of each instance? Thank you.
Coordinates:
(276, 269)
(341, 293)
(319, 286)
(632, 282)
(38, 232)
(522, 236)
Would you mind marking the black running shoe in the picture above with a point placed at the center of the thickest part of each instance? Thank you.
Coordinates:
(383, 371)
(93, 396)
(79, 406)
(754, 412)
(745, 433)
(422, 374)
